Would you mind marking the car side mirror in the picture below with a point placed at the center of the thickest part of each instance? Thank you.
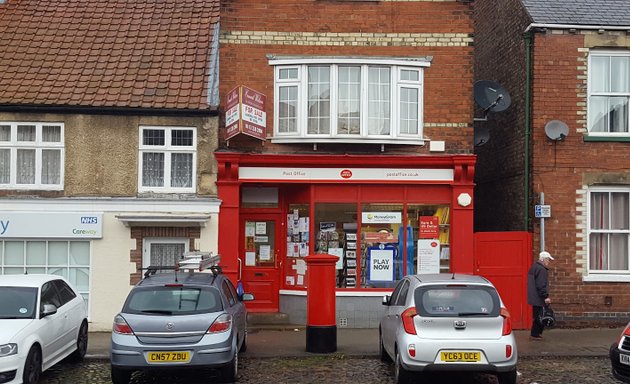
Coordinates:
(386, 299)
(48, 309)
(247, 297)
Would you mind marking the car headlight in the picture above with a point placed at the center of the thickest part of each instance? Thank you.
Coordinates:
(8, 349)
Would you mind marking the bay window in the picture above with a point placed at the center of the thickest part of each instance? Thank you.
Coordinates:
(608, 93)
(349, 100)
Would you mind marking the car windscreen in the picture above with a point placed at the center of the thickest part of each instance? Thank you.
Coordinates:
(18, 302)
(457, 300)
(173, 300)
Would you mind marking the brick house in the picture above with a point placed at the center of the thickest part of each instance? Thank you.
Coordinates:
(564, 139)
(108, 124)
(347, 129)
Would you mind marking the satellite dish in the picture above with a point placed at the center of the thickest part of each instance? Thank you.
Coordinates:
(491, 96)
(556, 130)
(482, 136)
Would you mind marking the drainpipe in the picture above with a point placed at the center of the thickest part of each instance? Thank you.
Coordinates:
(528, 37)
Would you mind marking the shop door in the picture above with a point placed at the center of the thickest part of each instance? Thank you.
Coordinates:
(260, 258)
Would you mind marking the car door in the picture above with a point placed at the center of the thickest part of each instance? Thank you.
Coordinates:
(51, 328)
(72, 310)
(391, 318)
(235, 308)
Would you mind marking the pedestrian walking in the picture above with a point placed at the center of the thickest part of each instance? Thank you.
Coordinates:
(538, 292)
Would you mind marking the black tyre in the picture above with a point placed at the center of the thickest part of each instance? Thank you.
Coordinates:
(381, 349)
(230, 371)
(120, 376)
(401, 375)
(507, 377)
(244, 344)
(82, 343)
(32, 366)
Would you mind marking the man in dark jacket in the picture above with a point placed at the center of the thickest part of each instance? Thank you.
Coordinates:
(538, 291)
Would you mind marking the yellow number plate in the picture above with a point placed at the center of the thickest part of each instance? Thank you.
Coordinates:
(168, 357)
(456, 357)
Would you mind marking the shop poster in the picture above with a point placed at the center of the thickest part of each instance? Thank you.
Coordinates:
(428, 256)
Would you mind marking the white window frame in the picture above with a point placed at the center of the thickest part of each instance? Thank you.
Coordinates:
(39, 146)
(591, 93)
(149, 241)
(396, 84)
(598, 274)
(168, 149)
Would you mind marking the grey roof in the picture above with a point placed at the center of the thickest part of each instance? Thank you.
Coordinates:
(580, 12)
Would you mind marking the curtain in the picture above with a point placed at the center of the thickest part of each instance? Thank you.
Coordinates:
(181, 170)
(166, 254)
(152, 169)
(379, 103)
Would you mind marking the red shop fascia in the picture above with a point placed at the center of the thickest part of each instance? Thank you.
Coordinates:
(360, 179)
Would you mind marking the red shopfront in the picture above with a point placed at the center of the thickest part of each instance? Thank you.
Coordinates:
(383, 216)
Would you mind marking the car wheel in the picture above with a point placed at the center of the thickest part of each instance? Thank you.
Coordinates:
(82, 343)
(507, 377)
(120, 376)
(381, 349)
(32, 366)
(229, 372)
(401, 375)
(244, 343)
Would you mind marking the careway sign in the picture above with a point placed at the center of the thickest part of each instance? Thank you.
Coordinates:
(245, 113)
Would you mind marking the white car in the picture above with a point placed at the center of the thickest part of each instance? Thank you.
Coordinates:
(447, 322)
(42, 321)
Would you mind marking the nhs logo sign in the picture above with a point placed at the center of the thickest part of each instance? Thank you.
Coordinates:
(89, 220)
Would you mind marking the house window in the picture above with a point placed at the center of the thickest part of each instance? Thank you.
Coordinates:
(163, 251)
(31, 156)
(609, 231)
(609, 92)
(348, 100)
(168, 159)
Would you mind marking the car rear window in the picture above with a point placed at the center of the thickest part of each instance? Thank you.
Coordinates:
(18, 302)
(173, 300)
(457, 300)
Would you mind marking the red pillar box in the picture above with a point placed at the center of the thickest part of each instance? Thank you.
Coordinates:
(321, 319)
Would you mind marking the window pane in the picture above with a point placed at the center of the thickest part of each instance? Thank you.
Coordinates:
(80, 278)
(287, 111)
(165, 254)
(620, 79)
(429, 223)
(349, 106)
(5, 133)
(598, 251)
(288, 73)
(51, 166)
(51, 134)
(57, 253)
(318, 100)
(181, 170)
(26, 133)
(409, 110)
(35, 253)
(25, 166)
(379, 108)
(79, 253)
(600, 75)
(153, 137)
(599, 210)
(409, 75)
(14, 253)
(182, 137)
(5, 166)
(618, 114)
(597, 114)
(619, 211)
(619, 251)
(381, 228)
(152, 169)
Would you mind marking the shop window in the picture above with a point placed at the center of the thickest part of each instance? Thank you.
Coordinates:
(336, 234)
(381, 252)
(298, 223)
(428, 238)
(70, 259)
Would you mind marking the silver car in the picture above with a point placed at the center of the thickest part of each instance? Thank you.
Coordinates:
(180, 320)
(447, 322)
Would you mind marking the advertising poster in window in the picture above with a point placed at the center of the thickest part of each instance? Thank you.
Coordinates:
(429, 227)
(381, 266)
(428, 256)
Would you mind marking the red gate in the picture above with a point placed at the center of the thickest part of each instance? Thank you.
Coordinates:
(504, 258)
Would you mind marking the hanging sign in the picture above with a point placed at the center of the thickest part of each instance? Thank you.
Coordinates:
(245, 113)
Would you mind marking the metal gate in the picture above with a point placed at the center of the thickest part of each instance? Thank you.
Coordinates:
(504, 258)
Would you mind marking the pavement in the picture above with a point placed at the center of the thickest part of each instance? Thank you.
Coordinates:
(363, 342)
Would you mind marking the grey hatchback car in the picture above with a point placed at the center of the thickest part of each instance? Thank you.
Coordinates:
(180, 320)
(447, 322)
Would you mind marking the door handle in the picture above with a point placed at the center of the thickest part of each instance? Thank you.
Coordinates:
(240, 268)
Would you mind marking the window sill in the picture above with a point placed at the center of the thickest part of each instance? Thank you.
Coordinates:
(607, 138)
(347, 140)
(602, 278)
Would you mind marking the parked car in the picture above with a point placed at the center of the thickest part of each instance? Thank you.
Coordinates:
(620, 356)
(43, 320)
(180, 320)
(447, 322)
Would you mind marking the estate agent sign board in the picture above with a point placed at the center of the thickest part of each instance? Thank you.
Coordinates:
(245, 113)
